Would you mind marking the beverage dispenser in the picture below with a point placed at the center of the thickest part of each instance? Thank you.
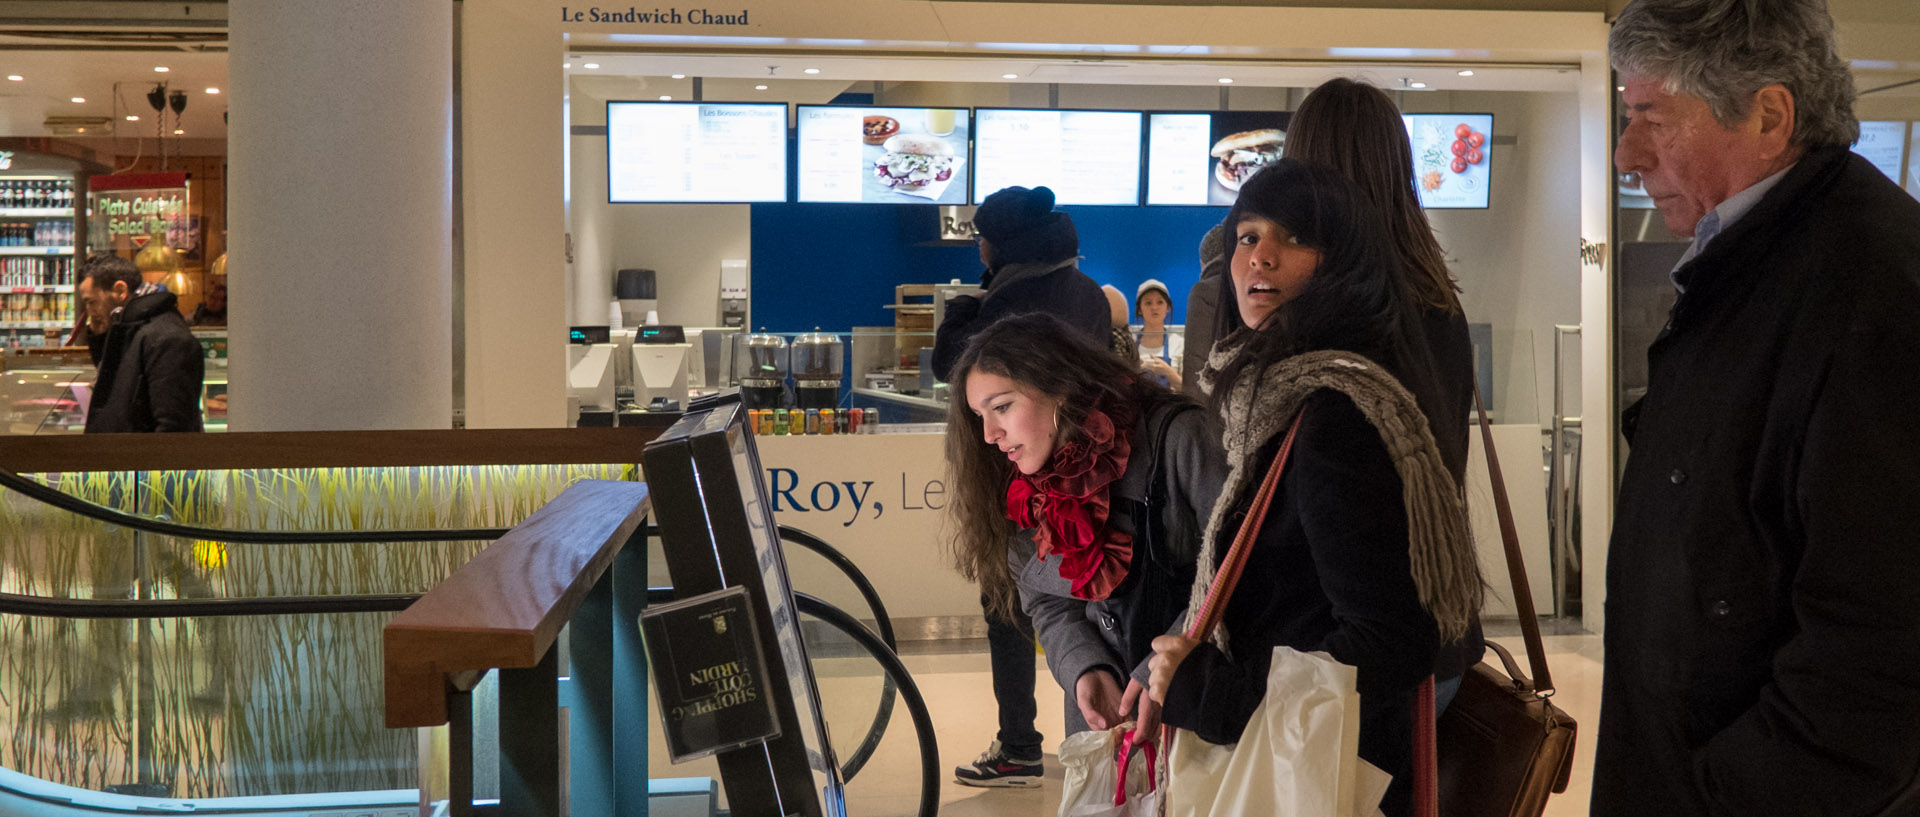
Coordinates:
(760, 367)
(818, 365)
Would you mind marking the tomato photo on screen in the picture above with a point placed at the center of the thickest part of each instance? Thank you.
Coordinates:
(1474, 156)
(1476, 138)
(1459, 147)
(1461, 130)
(1459, 164)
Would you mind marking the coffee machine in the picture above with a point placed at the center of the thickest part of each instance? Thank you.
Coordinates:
(818, 367)
(760, 366)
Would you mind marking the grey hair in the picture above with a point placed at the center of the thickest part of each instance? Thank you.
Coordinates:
(1723, 51)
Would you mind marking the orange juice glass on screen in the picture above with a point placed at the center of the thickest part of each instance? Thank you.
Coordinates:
(940, 121)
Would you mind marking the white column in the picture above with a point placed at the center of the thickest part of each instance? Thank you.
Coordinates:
(1597, 434)
(340, 225)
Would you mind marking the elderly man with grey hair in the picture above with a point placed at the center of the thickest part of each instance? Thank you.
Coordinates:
(1763, 585)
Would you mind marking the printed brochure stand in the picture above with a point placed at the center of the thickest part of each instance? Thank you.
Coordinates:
(717, 532)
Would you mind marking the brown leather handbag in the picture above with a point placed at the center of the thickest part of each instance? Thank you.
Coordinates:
(1503, 746)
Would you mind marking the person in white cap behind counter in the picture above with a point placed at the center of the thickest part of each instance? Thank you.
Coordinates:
(1160, 350)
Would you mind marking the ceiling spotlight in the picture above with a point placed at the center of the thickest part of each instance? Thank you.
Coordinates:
(813, 70)
(16, 78)
(1620, 88)
(179, 132)
(1416, 85)
(679, 76)
(1009, 76)
(213, 90)
(592, 65)
(132, 118)
(79, 99)
(759, 87)
(566, 65)
(1467, 73)
(666, 98)
(161, 69)
(83, 130)
(1226, 80)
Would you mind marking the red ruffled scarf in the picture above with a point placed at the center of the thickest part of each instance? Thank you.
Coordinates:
(1067, 504)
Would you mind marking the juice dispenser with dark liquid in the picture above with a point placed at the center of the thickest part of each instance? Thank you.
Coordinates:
(818, 366)
(760, 367)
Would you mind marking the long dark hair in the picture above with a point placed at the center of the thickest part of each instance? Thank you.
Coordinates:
(1354, 128)
(1040, 352)
(1357, 299)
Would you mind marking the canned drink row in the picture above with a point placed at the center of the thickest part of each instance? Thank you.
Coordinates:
(782, 422)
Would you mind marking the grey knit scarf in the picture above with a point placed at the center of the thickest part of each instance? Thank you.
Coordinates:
(1445, 568)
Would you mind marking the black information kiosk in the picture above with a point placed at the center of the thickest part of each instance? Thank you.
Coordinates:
(717, 531)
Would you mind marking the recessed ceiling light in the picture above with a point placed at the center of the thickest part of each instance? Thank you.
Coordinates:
(83, 130)
(1467, 72)
(161, 69)
(759, 87)
(1620, 88)
(813, 70)
(566, 65)
(1009, 76)
(79, 99)
(679, 76)
(1416, 85)
(213, 90)
(132, 118)
(179, 132)
(16, 78)
(666, 98)
(1226, 80)
(592, 65)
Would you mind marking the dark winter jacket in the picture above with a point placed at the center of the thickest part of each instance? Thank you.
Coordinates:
(1763, 584)
(1452, 349)
(1059, 289)
(149, 370)
(1329, 572)
(1116, 634)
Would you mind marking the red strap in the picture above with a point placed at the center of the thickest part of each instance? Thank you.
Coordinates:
(1426, 755)
(1126, 755)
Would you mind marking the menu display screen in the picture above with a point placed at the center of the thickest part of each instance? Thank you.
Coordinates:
(1086, 157)
(1203, 158)
(883, 155)
(1452, 158)
(1884, 144)
(696, 152)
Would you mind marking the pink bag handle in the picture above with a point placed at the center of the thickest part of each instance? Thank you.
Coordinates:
(1126, 755)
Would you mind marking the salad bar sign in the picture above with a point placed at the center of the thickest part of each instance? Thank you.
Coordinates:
(140, 212)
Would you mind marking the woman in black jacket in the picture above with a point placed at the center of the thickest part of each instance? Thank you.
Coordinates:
(1109, 478)
(1364, 552)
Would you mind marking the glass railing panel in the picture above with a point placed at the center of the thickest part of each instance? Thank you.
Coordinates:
(240, 706)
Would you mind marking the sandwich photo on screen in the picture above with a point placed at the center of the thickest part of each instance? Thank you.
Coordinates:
(882, 155)
(1243, 143)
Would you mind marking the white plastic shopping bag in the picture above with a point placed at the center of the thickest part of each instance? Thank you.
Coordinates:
(1299, 755)
(1092, 761)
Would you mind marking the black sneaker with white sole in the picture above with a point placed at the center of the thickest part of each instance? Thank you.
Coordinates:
(997, 769)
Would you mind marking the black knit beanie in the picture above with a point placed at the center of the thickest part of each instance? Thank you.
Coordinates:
(1023, 227)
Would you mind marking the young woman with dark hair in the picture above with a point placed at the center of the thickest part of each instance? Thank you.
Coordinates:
(1364, 552)
(1080, 488)
(1354, 128)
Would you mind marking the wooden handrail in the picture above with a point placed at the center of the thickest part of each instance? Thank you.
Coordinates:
(505, 607)
(40, 454)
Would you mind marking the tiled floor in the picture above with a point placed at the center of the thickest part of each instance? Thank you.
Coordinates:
(959, 693)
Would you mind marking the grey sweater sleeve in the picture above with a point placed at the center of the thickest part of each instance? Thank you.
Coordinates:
(1195, 469)
(1060, 621)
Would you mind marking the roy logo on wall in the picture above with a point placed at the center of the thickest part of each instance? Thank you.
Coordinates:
(851, 501)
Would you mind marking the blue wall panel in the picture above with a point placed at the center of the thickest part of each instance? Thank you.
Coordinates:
(835, 265)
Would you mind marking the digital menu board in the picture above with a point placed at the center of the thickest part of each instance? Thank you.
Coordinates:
(1086, 157)
(1452, 158)
(1203, 158)
(882, 155)
(696, 152)
(1884, 144)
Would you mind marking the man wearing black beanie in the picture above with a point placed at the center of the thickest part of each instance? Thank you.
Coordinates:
(1032, 256)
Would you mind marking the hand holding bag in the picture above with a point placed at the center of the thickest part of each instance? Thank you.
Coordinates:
(1098, 783)
(1503, 746)
(1299, 754)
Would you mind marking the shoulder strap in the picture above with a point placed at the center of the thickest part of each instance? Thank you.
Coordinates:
(1516, 564)
(1228, 575)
